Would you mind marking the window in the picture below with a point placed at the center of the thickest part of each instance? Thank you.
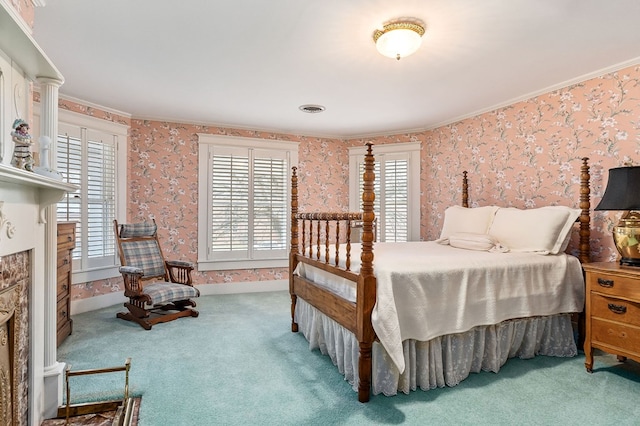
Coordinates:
(91, 153)
(396, 187)
(244, 187)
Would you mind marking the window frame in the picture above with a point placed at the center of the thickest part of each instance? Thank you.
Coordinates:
(206, 144)
(87, 125)
(408, 150)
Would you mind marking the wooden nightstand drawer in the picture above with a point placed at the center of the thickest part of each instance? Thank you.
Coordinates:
(616, 335)
(614, 285)
(63, 312)
(63, 286)
(64, 261)
(615, 309)
(66, 235)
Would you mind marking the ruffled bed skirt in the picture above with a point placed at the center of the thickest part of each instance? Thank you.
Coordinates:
(443, 361)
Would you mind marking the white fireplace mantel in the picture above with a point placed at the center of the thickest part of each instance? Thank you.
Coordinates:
(50, 190)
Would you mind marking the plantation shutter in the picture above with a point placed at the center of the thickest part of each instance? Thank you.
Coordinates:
(88, 159)
(249, 201)
(101, 196)
(391, 205)
(269, 201)
(69, 164)
(396, 200)
(230, 201)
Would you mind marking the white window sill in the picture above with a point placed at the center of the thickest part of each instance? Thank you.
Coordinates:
(79, 277)
(212, 265)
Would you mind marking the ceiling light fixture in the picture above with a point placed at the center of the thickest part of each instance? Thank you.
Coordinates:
(399, 39)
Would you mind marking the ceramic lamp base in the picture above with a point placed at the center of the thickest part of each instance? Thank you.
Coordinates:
(627, 238)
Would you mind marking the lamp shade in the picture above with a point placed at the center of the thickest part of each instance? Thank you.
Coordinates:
(398, 39)
(623, 190)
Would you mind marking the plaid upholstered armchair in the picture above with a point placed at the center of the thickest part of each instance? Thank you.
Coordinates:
(158, 290)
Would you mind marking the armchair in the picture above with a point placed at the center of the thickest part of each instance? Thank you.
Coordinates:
(159, 290)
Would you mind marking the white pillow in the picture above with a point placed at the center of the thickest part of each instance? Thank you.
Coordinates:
(543, 230)
(574, 214)
(462, 219)
(471, 241)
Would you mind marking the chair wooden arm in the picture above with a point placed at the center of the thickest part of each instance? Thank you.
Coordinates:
(132, 283)
(180, 271)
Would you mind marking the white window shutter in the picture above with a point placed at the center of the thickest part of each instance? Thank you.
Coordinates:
(230, 201)
(88, 159)
(391, 204)
(269, 203)
(101, 196)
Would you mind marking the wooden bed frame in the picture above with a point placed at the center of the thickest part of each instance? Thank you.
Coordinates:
(356, 316)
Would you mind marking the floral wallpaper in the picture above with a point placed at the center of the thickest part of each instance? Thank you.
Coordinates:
(163, 184)
(524, 155)
(529, 154)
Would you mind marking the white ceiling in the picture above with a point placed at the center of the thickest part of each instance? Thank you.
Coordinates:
(252, 63)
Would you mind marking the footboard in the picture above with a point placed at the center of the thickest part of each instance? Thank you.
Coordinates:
(315, 241)
(324, 238)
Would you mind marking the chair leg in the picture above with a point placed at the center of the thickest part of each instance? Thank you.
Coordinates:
(142, 316)
(136, 314)
(129, 317)
(173, 315)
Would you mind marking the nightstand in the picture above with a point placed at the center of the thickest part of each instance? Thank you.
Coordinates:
(612, 311)
(66, 244)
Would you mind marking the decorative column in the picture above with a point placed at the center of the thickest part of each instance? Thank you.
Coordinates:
(53, 370)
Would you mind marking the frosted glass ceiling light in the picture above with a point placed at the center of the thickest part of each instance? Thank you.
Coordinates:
(398, 39)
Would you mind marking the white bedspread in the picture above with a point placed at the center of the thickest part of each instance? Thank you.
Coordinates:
(426, 290)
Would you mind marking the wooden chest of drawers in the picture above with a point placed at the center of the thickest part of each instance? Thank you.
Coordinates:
(66, 244)
(612, 311)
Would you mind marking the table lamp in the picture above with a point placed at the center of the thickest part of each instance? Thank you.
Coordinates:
(623, 193)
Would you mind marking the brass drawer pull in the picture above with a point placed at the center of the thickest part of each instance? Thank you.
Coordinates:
(617, 309)
(605, 283)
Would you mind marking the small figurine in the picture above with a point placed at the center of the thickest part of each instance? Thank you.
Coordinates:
(22, 155)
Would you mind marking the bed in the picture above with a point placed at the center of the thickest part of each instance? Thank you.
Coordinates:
(432, 312)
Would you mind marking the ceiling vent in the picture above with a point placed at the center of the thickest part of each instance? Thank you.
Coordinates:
(311, 109)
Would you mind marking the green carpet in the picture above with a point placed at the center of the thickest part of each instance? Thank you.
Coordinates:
(238, 364)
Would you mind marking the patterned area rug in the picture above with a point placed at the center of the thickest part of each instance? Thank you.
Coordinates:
(101, 419)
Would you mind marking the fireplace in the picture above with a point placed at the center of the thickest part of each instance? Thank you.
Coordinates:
(14, 338)
(30, 375)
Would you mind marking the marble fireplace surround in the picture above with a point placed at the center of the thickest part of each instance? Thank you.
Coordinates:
(14, 338)
(27, 225)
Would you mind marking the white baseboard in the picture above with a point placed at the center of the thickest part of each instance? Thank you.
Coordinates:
(117, 298)
(97, 302)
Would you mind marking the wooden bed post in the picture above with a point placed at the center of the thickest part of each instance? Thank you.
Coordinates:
(366, 292)
(465, 189)
(295, 247)
(585, 217)
(584, 246)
